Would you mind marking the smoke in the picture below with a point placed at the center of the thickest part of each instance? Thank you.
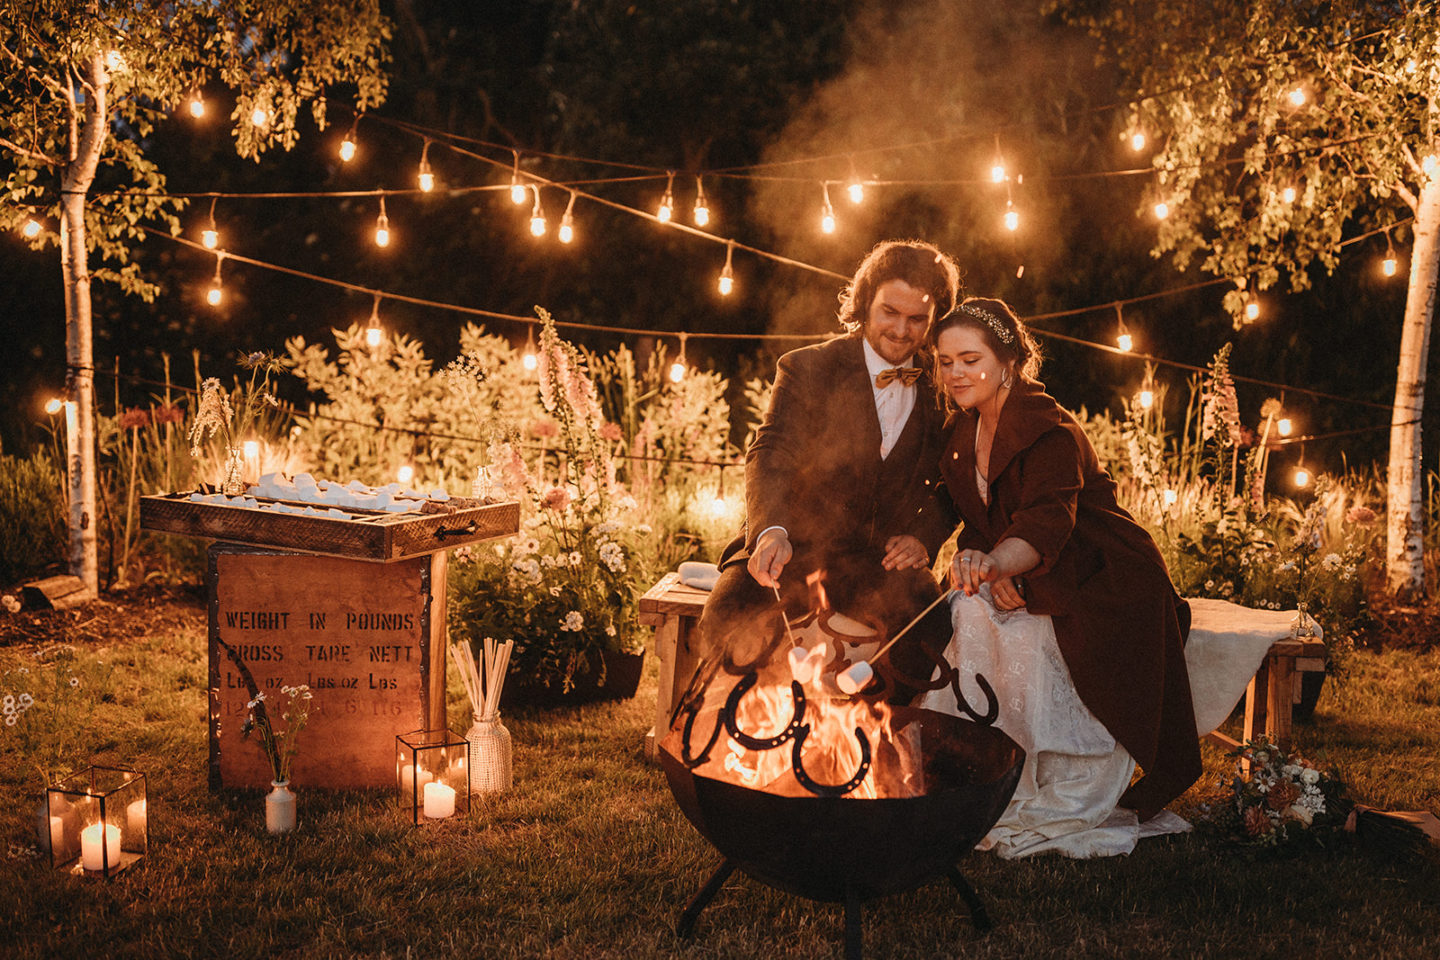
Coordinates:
(947, 77)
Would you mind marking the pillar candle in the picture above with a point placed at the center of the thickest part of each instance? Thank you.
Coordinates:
(97, 854)
(408, 779)
(135, 817)
(439, 801)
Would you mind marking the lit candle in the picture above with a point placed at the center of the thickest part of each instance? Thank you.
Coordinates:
(135, 821)
(408, 778)
(57, 833)
(100, 850)
(439, 801)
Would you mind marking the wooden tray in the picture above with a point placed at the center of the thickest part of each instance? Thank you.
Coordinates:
(367, 535)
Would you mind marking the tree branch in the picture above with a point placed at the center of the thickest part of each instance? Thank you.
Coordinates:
(14, 147)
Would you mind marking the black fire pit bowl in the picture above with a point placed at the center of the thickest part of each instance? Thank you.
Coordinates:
(843, 849)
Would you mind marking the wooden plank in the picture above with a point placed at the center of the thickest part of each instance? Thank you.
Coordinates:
(367, 534)
(60, 592)
(1277, 699)
(357, 633)
(666, 637)
(1223, 741)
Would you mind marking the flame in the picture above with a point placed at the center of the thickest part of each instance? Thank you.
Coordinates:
(816, 583)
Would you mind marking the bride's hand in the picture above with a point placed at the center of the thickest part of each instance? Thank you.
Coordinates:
(970, 568)
(1006, 593)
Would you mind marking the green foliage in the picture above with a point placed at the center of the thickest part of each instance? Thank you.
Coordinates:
(32, 515)
(49, 709)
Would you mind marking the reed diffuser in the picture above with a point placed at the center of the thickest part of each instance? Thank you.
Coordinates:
(491, 767)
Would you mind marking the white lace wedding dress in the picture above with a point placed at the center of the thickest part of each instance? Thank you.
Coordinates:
(1074, 770)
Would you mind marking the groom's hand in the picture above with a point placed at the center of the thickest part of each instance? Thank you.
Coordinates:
(905, 552)
(1006, 593)
(772, 552)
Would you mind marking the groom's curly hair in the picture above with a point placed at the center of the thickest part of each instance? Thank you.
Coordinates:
(918, 263)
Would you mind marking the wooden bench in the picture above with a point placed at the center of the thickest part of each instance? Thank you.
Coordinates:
(673, 609)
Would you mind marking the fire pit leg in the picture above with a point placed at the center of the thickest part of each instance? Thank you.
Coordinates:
(979, 916)
(854, 931)
(686, 926)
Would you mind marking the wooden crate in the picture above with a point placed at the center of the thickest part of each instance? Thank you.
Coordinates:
(363, 636)
(371, 535)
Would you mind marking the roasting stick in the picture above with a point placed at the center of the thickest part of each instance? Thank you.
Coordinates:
(788, 632)
(851, 680)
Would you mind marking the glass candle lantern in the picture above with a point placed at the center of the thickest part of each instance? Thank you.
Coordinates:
(432, 771)
(99, 821)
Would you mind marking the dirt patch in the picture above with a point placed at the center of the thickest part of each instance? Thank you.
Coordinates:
(115, 618)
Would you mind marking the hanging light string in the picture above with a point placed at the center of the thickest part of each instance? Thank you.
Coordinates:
(719, 335)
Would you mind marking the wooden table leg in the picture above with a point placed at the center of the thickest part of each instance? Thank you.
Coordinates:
(1278, 700)
(667, 636)
(1257, 702)
(435, 689)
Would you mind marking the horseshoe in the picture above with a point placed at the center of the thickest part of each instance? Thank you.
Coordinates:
(761, 743)
(685, 757)
(797, 763)
(994, 710)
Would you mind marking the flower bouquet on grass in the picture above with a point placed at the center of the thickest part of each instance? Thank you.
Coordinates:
(1284, 797)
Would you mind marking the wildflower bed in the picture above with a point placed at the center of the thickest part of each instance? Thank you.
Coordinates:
(588, 856)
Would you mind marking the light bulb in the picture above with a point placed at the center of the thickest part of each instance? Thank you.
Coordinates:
(567, 228)
(210, 238)
(405, 474)
(1125, 342)
(373, 337)
(115, 60)
(1012, 220)
(1147, 399)
(1388, 265)
(1137, 142)
(726, 284)
(1283, 426)
(1170, 497)
(1288, 194)
(31, 229)
(197, 107)
(427, 179)
(997, 173)
(53, 406)
(347, 150)
(1162, 210)
(1302, 477)
(1252, 310)
(677, 371)
(382, 231)
(517, 192)
(537, 226)
(666, 209)
(214, 295)
(259, 117)
(702, 213)
(856, 191)
(1297, 97)
(251, 449)
(529, 361)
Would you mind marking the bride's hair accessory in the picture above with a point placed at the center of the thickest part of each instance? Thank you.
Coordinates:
(997, 326)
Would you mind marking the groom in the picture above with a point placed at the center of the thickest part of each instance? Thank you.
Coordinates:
(839, 477)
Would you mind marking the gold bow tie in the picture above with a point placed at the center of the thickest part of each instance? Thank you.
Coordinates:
(906, 375)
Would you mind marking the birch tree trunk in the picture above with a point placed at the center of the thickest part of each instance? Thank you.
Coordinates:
(88, 132)
(1405, 516)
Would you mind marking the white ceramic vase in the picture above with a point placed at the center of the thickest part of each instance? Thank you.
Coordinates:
(280, 807)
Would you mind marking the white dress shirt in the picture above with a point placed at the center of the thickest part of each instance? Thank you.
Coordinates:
(893, 402)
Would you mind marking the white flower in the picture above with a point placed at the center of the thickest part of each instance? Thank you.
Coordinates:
(575, 558)
(1286, 567)
(10, 720)
(609, 629)
(259, 698)
(1309, 775)
(1262, 756)
(11, 603)
(606, 527)
(25, 701)
(612, 556)
(9, 703)
(644, 529)
(554, 591)
(1291, 770)
(1332, 562)
(573, 621)
(74, 681)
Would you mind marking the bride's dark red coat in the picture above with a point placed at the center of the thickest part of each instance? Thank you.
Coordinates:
(1120, 625)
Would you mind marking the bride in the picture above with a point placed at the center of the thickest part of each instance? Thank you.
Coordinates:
(1062, 601)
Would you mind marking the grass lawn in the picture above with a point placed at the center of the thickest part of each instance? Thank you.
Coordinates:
(590, 857)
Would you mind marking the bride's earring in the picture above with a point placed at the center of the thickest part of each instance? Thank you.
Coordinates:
(1005, 379)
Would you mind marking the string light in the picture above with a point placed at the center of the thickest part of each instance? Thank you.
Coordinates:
(54, 406)
(210, 237)
(702, 206)
(197, 106)
(1252, 310)
(667, 203)
(1123, 340)
(260, 117)
(1389, 265)
(31, 230)
(1012, 217)
(529, 359)
(114, 60)
(677, 369)
(1147, 399)
(1288, 194)
(405, 474)
(216, 292)
(1137, 141)
(567, 221)
(347, 146)
(382, 226)
(1301, 477)
(997, 168)
(537, 216)
(426, 177)
(827, 212)
(727, 276)
(1284, 426)
(856, 189)
(1162, 210)
(1298, 97)
(517, 189)
(374, 333)
(251, 449)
